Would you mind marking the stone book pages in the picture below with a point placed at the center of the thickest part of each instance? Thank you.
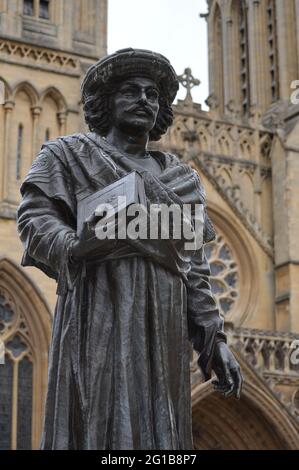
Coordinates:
(119, 195)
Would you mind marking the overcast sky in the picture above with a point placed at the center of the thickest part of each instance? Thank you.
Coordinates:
(171, 27)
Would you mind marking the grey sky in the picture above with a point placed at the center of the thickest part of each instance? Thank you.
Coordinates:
(171, 27)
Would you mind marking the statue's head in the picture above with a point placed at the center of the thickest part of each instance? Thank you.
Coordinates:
(131, 88)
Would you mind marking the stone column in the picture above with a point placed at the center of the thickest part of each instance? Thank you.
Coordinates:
(8, 108)
(287, 46)
(228, 70)
(259, 68)
(62, 118)
(36, 111)
(215, 63)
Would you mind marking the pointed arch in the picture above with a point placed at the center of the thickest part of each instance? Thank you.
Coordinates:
(25, 99)
(226, 176)
(203, 138)
(7, 89)
(245, 148)
(214, 8)
(52, 120)
(224, 144)
(56, 96)
(25, 330)
(176, 131)
(256, 422)
(241, 255)
(5, 112)
(29, 90)
(247, 191)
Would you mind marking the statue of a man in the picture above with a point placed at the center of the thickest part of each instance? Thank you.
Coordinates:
(119, 374)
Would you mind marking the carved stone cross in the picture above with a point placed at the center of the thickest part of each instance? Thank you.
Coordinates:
(188, 82)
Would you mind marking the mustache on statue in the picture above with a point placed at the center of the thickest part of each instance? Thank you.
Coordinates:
(146, 109)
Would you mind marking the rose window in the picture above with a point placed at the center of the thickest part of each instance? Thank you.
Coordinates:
(224, 273)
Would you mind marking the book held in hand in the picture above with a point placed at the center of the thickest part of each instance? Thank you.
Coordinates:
(118, 196)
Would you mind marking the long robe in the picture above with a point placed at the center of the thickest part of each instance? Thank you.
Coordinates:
(119, 373)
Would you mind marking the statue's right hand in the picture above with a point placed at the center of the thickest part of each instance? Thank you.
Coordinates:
(88, 245)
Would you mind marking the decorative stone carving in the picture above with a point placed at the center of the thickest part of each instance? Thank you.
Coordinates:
(269, 353)
(275, 115)
(188, 81)
(232, 195)
(233, 109)
(212, 101)
(39, 56)
(222, 148)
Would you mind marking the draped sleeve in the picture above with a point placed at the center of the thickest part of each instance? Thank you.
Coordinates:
(204, 320)
(46, 221)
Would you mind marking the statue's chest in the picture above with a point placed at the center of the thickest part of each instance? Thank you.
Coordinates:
(90, 174)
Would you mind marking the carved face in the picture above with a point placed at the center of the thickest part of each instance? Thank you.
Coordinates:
(135, 105)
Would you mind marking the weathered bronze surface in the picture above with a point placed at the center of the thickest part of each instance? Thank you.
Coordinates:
(119, 375)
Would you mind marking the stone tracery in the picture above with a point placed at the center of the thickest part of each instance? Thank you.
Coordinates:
(224, 273)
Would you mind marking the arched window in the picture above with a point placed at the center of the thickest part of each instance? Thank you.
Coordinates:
(19, 151)
(47, 134)
(24, 331)
(21, 143)
(16, 381)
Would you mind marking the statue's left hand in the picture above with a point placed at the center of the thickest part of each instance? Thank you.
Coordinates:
(227, 370)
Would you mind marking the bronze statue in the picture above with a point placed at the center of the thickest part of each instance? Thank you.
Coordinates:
(127, 310)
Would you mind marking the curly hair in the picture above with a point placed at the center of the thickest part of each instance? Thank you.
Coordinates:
(97, 116)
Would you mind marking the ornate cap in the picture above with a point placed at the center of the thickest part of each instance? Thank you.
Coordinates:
(132, 62)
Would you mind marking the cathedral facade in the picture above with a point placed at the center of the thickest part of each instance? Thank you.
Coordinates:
(245, 149)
